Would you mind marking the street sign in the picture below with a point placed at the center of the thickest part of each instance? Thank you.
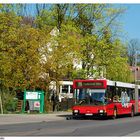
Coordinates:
(31, 95)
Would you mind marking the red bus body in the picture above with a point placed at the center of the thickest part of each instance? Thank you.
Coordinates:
(110, 106)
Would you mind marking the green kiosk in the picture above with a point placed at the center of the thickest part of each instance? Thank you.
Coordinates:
(33, 101)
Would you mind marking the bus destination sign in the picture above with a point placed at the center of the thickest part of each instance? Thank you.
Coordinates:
(89, 84)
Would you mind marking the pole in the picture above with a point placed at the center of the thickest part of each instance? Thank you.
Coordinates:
(1, 107)
(136, 98)
(135, 68)
(136, 86)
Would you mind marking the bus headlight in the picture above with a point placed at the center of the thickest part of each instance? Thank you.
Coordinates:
(101, 111)
(75, 111)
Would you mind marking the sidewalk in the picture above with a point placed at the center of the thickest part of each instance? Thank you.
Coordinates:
(30, 118)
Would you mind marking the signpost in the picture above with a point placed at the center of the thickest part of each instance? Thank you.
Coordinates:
(136, 86)
(1, 107)
(1, 104)
(136, 99)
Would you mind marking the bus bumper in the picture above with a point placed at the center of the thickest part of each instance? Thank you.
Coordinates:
(99, 114)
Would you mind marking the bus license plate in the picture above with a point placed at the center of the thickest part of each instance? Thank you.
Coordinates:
(88, 114)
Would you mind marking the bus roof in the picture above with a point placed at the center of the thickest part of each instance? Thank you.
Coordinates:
(120, 84)
(127, 85)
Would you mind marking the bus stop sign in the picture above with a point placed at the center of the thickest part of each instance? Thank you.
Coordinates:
(34, 100)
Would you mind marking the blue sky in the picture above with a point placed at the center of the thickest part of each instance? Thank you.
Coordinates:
(131, 21)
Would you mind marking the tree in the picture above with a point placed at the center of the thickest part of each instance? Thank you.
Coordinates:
(26, 59)
(118, 68)
(60, 52)
(96, 23)
(95, 20)
(8, 28)
(133, 49)
(20, 57)
(85, 32)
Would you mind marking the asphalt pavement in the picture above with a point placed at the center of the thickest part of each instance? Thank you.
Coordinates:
(55, 124)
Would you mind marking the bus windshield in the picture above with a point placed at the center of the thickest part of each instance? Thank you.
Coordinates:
(91, 97)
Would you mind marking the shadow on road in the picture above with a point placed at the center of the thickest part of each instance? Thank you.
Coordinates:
(71, 117)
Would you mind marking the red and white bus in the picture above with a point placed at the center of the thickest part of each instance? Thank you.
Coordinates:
(105, 98)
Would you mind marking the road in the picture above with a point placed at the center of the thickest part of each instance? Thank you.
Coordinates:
(124, 126)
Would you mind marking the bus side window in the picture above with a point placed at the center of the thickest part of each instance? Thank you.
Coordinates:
(116, 98)
(130, 94)
(110, 92)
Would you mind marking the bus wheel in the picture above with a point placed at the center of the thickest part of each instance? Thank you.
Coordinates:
(114, 113)
(132, 112)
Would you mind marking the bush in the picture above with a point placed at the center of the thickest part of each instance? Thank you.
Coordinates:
(10, 105)
(9, 102)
